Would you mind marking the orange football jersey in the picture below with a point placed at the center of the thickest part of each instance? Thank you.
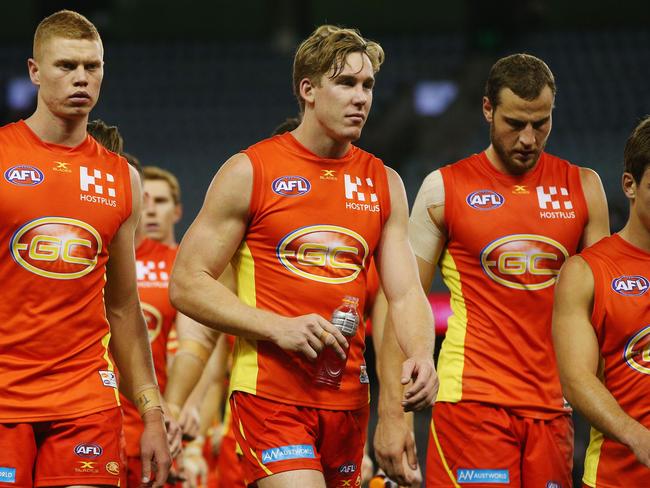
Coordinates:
(507, 239)
(61, 207)
(154, 262)
(621, 319)
(314, 224)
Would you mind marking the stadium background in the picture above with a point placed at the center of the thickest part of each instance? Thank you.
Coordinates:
(190, 83)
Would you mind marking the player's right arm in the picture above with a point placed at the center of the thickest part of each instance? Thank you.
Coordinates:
(208, 246)
(393, 435)
(577, 351)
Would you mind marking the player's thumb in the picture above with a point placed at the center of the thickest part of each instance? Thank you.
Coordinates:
(407, 370)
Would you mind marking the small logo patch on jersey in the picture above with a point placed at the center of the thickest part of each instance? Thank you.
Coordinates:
(56, 247)
(347, 468)
(524, 261)
(108, 378)
(363, 375)
(328, 174)
(61, 167)
(520, 190)
(553, 484)
(485, 200)
(298, 451)
(7, 475)
(630, 286)
(291, 186)
(24, 175)
(324, 253)
(483, 476)
(88, 450)
(113, 468)
(637, 351)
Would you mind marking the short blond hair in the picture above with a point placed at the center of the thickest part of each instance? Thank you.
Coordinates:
(156, 173)
(326, 49)
(66, 24)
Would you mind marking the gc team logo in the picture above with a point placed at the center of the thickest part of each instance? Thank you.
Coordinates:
(56, 247)
(154, 320)
(637, 351)
(524, 261)
(630, 286)
(291, 186)
(24, 175)
(485, 200)
(324, 253)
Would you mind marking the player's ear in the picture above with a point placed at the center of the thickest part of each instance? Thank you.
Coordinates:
(307, 90)
(488, 110)
(34, 74)
(629, 185)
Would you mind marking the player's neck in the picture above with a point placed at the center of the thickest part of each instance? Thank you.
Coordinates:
(56, 130)
(636, 233)
(169, 240)
(314, 138)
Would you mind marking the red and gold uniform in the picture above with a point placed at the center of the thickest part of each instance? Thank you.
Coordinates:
(621, 319)
(314, 224)
(61, 207)
(154, 261)
(507, 238)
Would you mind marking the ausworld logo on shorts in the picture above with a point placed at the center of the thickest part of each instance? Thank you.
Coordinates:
(497, 476)
(7, 475)
(297, 451)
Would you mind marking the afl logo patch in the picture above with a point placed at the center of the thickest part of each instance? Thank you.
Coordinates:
(630, 286)
(24, 175)
(637, 351)
(485, 200)
(291, 186)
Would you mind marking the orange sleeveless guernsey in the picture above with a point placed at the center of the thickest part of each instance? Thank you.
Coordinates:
(507, 239)
(61, 207)
(314, 223)
(154, 261)
(621, 319)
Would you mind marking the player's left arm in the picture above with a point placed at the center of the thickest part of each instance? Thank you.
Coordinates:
(408, 307)
(578, 356)
(130, 342)
(598, 221)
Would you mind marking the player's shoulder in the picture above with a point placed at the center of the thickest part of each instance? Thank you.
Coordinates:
(8, 132)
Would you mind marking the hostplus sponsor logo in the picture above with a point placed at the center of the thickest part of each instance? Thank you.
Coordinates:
(360, 194)
(630, 286)
(497, 476)
(24, 175)
(7, 475)
(297, 451)
(555, 203)
(152, 274)
(485, 200)
(97, 187)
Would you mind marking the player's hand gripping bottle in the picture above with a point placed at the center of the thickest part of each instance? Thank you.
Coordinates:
(329, 366)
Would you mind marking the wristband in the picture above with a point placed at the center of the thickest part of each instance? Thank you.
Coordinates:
(147, 398)
(194, 348)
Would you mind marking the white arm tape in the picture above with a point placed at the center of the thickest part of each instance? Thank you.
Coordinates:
(422, 230)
